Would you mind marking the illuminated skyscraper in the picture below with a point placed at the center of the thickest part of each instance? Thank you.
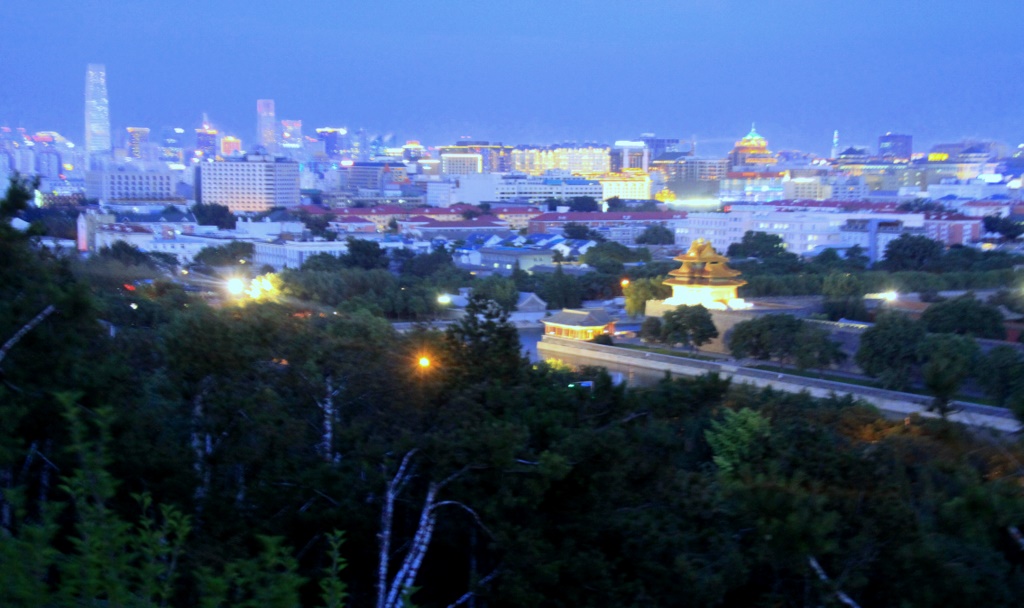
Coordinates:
(291, 134)
(335, 140)
(266, 125)
(206, 141)
(97, 110)
(138, 137)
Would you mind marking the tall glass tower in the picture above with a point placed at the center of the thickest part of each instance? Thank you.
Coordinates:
(97, 110)
(266, 127)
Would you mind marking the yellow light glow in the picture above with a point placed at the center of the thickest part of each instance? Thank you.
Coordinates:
(624, 283)
(424, 362)
(236, 286)
(890, 296)
(444, 299)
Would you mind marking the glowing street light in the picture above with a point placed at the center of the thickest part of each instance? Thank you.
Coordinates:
(890, 296)
(444, 299)
(424, 362)
(624, 283)
(236, 286)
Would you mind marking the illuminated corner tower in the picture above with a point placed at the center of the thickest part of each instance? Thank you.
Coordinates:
(97, 111)
(835, 144)
(266, 124)
(705, 278)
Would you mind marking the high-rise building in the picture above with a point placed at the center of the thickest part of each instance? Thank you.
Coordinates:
(266, 125)
(335, 140)
(895, 146)
(291, 134)
(206, 141)
(230, 145)
(138, 137)
(97, 110)
(172, 144)
(254, 183)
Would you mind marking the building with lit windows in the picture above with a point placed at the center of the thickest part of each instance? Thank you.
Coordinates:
(138, 138)
(131, 184)
(206, 141)
(230, 145)
(896, 146)
(574, 159)
(266, 125)
(632, 185)
(335, 140)
(751, 153)
(494, 157)
(291, 134)
(97, 111)
(254, 183)
(461, 163)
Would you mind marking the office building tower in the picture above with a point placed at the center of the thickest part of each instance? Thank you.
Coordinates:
(97, 110)
(172, 144)
(895, 146)
(206, 141)
(335, 140)
(266, 125)
(230, 145)
(138, 138)
(291, 134)
(253, 183)
(659, 145)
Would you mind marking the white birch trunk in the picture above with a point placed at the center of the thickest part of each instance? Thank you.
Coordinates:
(327, 407)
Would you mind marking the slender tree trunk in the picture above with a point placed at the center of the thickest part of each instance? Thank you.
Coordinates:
(394, 487)
(202, 447)
(326, 447)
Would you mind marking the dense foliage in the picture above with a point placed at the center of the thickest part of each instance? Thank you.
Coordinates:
(180, 454)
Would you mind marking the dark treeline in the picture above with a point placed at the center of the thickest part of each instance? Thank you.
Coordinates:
(911, 264)
(169, 453)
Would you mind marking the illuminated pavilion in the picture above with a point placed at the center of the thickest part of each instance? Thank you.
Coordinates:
(705, 278)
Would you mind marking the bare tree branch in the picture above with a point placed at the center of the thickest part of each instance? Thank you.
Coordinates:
(469, 594)
(840, 594)
(463, 506)
(8, 345)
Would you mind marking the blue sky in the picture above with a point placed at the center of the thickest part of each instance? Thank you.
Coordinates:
(528, 71)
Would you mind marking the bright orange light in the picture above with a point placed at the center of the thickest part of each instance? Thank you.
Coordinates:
(424, 362)
(624, 283)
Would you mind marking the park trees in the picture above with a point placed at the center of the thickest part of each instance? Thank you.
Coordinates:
(1000, 372)
(639, 291)
(230, 254)
(948, 361)
(890, 349)
(844, 296)
(911, 252)
(766, 337)
(656, 235)
(690, 326)
(964, 315)
(212, 214)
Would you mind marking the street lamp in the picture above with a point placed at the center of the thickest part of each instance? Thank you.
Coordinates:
(424, 362)
(236, 286)
(444, 299)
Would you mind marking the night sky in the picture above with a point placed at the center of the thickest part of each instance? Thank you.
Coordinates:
(530, 72)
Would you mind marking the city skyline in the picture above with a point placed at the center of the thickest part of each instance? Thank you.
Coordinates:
(529, 73)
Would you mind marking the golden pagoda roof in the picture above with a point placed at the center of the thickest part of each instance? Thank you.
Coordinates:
(702, 265)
